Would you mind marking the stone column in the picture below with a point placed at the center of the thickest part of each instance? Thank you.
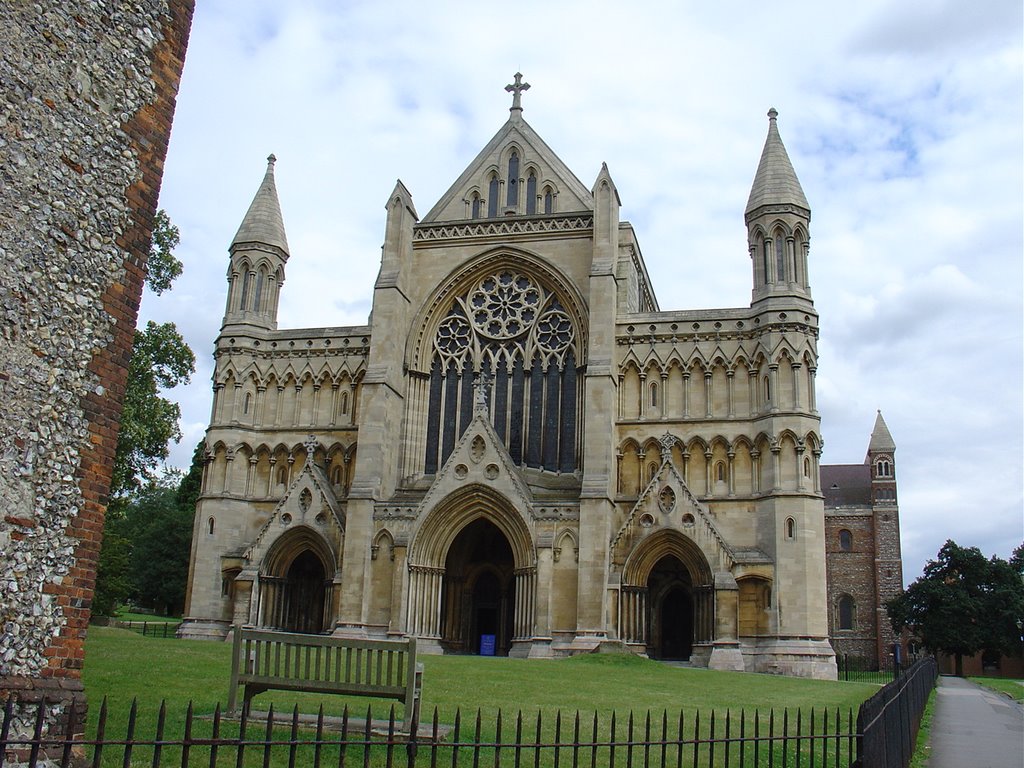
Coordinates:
(725, 653)
(798, 387)
(399, 590)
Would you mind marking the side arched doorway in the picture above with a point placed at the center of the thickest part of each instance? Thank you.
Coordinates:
(667, 599)
(296, 590)
(670, 592)
(478, 591)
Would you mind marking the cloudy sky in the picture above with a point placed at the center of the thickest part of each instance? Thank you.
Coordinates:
(903, 121)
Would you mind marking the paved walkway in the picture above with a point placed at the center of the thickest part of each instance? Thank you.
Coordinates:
(974, 727)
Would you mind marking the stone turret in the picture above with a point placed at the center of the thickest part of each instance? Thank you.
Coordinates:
(881, 457)
(259, 252)
(778, 223)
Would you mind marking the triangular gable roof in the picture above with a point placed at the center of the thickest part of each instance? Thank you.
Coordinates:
(476, 457)
(573, 195)
(705, 533)
(311, 477)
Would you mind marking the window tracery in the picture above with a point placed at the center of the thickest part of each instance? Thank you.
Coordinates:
(515, 334)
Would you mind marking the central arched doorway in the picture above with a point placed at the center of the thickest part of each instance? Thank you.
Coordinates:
(478, 591)
(670, 591)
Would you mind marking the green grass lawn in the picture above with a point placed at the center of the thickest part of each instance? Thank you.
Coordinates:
(923, 747)
(121, 665)
(1014, 688)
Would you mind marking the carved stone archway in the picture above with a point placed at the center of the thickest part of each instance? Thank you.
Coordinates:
(665, 574)
(474, 508)
(296, 583)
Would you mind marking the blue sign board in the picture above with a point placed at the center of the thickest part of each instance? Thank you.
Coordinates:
(486, 645)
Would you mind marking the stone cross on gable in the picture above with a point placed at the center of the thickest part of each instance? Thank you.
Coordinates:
(667, 441)
(311, 445)
(516, 89)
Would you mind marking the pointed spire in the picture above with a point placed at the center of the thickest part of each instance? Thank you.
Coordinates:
(775, 182)
(881, 440)
(263, 222)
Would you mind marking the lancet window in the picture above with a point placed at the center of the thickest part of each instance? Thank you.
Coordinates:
(513, 179)
(517, 336)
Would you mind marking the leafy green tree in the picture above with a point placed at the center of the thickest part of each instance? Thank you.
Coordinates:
(192, 482)
(160, 360)
(962, 604)
(113, 581)
(149, 422)
(1017, 560)
(160, 531)
(162, 267)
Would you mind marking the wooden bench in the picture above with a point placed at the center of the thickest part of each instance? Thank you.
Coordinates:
(264, 659)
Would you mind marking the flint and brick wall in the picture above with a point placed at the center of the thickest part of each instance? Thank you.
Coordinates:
(87, 95)
(852, 573)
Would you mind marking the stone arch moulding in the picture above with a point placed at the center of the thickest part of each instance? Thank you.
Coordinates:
(290, 544)
(435, 308)
(444, 521)
(641, 561)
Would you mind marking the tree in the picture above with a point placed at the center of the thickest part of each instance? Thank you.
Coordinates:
(162, 267)
(962, 604)
(160, 360)
(160, 531)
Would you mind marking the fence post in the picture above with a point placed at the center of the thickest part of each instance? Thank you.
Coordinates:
(236, 652)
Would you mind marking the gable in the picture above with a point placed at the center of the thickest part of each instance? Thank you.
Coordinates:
(505, 164)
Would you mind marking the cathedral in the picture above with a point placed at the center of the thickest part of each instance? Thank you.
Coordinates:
(522, 453)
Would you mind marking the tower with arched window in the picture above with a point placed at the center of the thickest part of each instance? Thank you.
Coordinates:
(862, 539)
(259, 252)
(521, 452)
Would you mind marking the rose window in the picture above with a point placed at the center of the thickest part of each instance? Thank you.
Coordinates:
(509, 333)
(504, 305)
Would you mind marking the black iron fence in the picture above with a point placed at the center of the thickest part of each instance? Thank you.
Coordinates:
(861, 670)
(150, 628)
(881, 736)
(888, 722)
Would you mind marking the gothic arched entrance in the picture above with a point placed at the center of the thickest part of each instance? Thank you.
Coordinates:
(667, 598)
(304, 595)
(296, 588)
(472, 572)
(670, 593)
(478, 591)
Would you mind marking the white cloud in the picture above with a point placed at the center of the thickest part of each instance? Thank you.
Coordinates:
(904, 123)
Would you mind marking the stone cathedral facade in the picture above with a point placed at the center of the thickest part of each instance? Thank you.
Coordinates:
(522, 447)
